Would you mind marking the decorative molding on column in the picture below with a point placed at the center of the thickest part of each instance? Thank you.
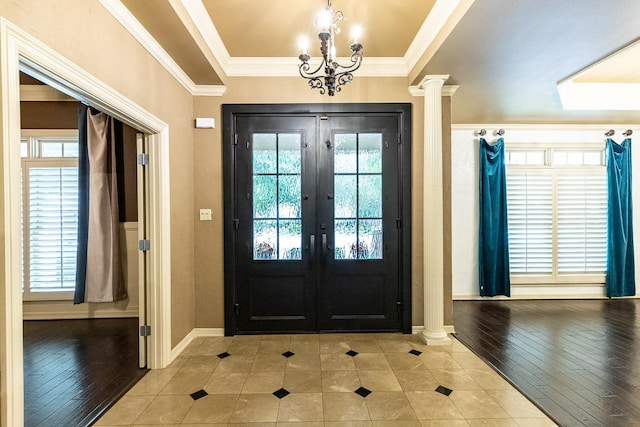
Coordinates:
(433, 332)
(447, 90)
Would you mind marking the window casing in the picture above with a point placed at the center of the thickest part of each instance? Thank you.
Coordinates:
(557, 209)
(49, 165)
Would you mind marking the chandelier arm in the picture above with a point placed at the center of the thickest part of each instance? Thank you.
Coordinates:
(304, 67)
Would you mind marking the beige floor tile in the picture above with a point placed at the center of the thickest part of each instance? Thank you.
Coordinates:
(444, 423)
(243, 348)
(534, 422)
(200, 364)
(245, 425)
(263, 382)
(165, 410)
(125, 411)
(340, 381)
(416, 380)
(404, 361)
(371, 361)
(347, 423)
(336, 362)
(344, 407)
(477, 404)
(515, 404)
(394, 346)
(301, 407)
(365, 346)
(269, 362)
(468, 360)
(213, 347)
(492, 422)
(152, 382)
(214, 408)
(303, 381)
(398, 423)
(298, 424)
(185, 383)
(488, 379)
(455, 379)
(379, 380)
(274, 346)
(334, 347)
(305, 346)
(303, 362)
(390, 405)
(432, 405)
(434, 359)
(255, 408)
(226, 382)
(235, 363)
(458, 347)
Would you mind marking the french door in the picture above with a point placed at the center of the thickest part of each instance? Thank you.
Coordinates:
(315, 227)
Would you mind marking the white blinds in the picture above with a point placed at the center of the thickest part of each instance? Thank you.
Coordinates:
(582, 223)
(52, 221)
(530, 212)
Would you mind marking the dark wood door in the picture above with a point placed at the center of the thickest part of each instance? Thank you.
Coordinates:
(317, 223)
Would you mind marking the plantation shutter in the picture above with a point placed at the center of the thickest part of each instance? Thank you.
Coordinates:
(52, 227)
(530, 212)
(582, 223)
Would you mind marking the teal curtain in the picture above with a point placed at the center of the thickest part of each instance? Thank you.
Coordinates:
(493, 248)
(621, 280)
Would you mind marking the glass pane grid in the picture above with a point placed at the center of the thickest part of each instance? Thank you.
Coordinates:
(358, 196)
(277, 187)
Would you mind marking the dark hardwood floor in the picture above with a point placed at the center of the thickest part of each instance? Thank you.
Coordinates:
(577, 360)
(75, 369)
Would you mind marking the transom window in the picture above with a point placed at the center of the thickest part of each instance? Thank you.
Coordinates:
(557, 209)
(49, 213)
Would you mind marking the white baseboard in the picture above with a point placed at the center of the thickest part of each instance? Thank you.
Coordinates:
(195, 333)
(447, 328)
(132, 311)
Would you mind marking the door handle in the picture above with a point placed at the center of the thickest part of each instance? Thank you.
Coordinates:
(312, 246)
(324, 243)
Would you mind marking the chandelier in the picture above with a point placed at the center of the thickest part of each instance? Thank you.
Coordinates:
(335, 75)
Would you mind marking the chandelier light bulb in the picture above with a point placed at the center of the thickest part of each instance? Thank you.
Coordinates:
(303, 44)
(356, 33)
(324, 19)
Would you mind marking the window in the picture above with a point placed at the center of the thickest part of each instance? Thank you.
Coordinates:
(557, 209)
(49, 213)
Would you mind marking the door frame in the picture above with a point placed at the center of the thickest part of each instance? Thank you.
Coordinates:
(229, 114)
(19, 51)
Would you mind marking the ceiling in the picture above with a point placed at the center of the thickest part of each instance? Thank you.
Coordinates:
(507, 56)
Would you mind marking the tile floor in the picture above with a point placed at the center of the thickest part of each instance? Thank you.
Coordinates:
(338, 379)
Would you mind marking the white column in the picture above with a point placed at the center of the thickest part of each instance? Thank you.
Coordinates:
(433, 332)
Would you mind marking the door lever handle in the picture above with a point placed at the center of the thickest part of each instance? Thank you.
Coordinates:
(324, 244)
(312, 246)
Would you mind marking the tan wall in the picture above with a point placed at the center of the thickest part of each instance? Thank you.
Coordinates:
(208, 174)
(89, 36)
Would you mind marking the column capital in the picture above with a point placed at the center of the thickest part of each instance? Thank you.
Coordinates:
(430, 79)
(447, 90)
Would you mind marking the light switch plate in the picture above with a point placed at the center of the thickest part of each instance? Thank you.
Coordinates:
(205, 214)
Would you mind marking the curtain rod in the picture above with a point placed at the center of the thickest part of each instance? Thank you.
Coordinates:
(612, 132)
(499, 132)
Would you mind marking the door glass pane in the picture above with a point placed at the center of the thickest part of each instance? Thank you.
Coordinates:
(346, 239)
(264, 153)
(264, 196)
(277, 194)
(346, 196)
(370, 153)
(358, 196)
(345, 153)
(370, 194)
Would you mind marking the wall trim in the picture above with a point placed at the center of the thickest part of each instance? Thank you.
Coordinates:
(195, 333)
(110, 313)
(450, 329)
(42, 93)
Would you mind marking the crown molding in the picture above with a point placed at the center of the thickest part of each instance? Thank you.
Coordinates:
(131, 24)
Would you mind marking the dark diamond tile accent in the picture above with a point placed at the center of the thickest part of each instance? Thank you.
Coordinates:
(199, 394)
(364, 392)
(352, 353)
(415, 352)
(280, 393)
(444, 390)
(288, 354)
(223, 355)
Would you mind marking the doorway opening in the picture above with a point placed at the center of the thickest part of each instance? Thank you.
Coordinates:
(317, 218)
(22, 52)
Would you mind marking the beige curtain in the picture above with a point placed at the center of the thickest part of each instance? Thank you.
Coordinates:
(103, 279)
